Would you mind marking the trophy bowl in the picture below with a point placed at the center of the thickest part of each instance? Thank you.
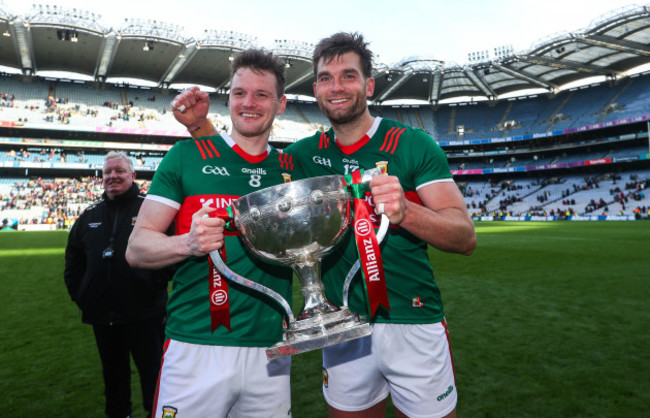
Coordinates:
(297, 224)
(294, 222)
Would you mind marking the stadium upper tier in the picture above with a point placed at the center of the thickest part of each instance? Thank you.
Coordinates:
(60, 39)
(70, 125)
(55, 104)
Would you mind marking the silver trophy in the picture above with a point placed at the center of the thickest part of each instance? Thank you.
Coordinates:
(296, 224)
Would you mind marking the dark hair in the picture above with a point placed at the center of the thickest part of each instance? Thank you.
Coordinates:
(260, 60)
(341, 43)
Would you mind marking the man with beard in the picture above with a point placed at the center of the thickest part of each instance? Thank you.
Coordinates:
(408, 354)
(215, 357)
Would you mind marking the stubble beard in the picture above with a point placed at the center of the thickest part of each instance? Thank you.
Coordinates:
(355, 112)
(251, 132)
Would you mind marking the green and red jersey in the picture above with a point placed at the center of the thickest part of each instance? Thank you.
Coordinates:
(417, 160)
(214, 171)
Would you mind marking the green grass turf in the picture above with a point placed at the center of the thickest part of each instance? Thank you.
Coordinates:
(546, 320)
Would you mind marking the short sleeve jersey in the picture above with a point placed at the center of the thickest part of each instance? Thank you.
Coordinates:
(214, 171)
(417, 160)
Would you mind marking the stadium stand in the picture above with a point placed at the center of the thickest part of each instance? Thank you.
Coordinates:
(58, 201)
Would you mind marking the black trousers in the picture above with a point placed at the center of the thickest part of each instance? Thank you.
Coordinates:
(144, 341)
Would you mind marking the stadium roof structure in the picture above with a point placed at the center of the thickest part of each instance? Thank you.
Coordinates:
(51, 38)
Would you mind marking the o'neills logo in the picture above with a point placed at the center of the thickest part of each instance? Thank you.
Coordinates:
(362, 227)
(259, 171)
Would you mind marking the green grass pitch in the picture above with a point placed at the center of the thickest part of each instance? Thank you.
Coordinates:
(546, 320)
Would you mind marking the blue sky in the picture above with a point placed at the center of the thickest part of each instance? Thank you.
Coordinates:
(442, 29)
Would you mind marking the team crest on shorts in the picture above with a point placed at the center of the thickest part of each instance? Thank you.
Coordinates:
(417, 303)
(169, 411)
(326, 377)
(133, 219)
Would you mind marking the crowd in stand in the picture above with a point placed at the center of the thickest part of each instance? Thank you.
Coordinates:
(634, 190)
(51, 155)
(62, 200)
(7, 100)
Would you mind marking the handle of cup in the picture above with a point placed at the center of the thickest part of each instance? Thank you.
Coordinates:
(236, 278)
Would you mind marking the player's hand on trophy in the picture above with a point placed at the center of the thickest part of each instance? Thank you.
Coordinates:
(388, 197)
(206, 233)
(190, 107)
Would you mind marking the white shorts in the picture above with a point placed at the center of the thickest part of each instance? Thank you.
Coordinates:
(216, 381)
(412, 362)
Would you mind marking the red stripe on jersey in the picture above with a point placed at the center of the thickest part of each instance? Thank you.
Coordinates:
(205, 147)
(198, 145)
(392, 137)
(383, 146)
(191, 204)
(213, 148)
(286, 161)
(397, 139)
(250, 158)
(413, 197)
(324, 141)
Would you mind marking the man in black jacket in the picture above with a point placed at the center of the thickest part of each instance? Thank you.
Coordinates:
(125, 306)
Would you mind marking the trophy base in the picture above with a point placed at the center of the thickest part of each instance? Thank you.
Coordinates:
(319, 331)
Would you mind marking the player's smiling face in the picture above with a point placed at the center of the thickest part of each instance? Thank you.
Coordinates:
(341, 89)
(254, 102)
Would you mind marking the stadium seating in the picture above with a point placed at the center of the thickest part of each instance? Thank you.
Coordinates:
(35, 102)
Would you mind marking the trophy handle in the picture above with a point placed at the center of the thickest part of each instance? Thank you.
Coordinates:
(227, 215)
(234, 277)
(381, 233)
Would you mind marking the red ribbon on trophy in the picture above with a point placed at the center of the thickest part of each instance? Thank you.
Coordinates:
(219, 302)
(367, 246)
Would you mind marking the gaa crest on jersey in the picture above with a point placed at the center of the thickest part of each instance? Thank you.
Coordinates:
(215, 170)
(322, 161)
(417, 303)
(326, 377)
(169, 411)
